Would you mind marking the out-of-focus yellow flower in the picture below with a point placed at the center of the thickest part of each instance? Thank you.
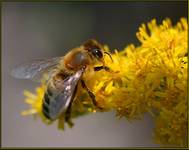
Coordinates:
(149, 78)
(35, 101)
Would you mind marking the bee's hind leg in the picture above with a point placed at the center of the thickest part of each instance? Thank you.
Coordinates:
(68, 116)
(69, 110)
(90, 94)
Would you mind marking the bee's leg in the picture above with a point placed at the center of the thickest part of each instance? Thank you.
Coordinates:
(105, 68)
(90, 94)
(69, 110)
(68, 116)
(101, 67)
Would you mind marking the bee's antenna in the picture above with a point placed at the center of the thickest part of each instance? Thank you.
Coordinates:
(109, 55)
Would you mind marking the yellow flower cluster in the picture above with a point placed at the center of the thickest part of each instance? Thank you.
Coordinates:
(149, 78)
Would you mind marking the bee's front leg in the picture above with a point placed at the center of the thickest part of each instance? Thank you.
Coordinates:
(90, 94)
(105, 68)
(101, 67)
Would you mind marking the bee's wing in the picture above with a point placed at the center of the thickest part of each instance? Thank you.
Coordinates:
(62, 96)
(33, 68)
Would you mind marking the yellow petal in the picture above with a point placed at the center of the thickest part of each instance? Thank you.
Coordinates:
(28, 112)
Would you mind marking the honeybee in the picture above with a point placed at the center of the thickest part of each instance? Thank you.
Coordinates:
(64, 75)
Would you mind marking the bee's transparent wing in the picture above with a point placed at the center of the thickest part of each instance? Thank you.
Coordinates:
(62, 96)
(34, 68)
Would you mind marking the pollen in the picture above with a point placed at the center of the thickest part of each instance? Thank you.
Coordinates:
(149, 78)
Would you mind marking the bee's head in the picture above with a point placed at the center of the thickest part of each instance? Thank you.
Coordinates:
(95, 49)
(97, 53)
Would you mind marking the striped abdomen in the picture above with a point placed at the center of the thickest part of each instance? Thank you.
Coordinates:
(60, 94)
(46, 101)
(52, 96)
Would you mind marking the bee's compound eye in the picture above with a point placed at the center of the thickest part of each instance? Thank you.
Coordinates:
(97, 53)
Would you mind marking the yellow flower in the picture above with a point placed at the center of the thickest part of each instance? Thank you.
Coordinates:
(149, 78)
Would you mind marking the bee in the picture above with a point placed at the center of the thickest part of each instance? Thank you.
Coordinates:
(64, 74)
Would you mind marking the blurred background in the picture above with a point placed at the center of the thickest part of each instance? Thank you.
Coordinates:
(44, 30)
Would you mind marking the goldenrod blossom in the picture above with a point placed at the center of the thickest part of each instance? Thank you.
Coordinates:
(149, 78)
